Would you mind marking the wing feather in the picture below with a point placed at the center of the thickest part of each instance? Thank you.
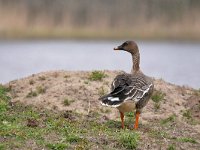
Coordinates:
(126, 87)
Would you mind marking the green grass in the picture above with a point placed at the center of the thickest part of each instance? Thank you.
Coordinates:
(187, 114)
(31, 82)
(32, 94)
(129, 114)
(2, 147)
(73, 138)
(188, 117)
(3, 92)
(86, 82)
(171, 118)
(42, 78)
(66, 76)
(67, 102)
(57, 146)
(157, 97)
(171, 147)
(156, 106)
(158, 134)
(3, 99)
(129, 139)
(36, 92)
(97, 76)
(105, 110)
(186, 139)
(161, 134)
(102, 91)
(40, 90)
(197, 92)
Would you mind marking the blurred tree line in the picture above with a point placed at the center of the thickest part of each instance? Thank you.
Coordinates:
(123, 16)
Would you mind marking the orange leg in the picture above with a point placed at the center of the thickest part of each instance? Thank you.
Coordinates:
(136, 120)
(122, 119)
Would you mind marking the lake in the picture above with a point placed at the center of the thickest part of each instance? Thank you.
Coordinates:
(175, 62)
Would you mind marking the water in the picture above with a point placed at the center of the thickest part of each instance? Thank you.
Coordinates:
(176, 62)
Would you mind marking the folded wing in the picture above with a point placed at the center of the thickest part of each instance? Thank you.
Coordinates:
(126, 87)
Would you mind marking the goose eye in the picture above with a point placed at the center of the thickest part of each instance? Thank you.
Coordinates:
(124, 44)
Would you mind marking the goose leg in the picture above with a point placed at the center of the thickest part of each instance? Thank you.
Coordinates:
(136, 120)
(122, 119)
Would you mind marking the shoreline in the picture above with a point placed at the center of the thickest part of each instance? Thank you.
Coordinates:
(96, 35)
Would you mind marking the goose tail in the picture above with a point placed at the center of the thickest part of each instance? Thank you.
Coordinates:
(110, 100)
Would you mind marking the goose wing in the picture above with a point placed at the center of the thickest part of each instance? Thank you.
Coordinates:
(126, 87)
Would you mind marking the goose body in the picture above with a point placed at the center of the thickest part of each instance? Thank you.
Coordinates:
(129, 92)
(128, 88)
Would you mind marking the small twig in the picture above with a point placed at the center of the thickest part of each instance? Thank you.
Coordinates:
(89, 106)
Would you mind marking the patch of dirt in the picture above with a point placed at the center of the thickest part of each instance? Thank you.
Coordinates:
(32, 123)
(69, 115)
(193, 103)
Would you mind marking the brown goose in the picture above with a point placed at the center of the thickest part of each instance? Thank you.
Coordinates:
(129, 92)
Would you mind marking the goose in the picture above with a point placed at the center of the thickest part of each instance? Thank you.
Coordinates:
(129, 92)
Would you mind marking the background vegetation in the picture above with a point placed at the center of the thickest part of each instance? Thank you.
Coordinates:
(100, 19)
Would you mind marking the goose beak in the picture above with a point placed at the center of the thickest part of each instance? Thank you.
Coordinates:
(118, 48)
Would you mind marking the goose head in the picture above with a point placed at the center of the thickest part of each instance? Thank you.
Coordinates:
(129, 46)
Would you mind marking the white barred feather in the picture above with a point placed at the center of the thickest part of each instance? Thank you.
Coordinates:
(127, 87)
